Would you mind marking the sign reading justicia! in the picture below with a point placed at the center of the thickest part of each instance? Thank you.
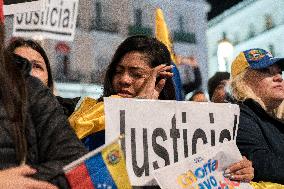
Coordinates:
(160, 133)
(55, 20)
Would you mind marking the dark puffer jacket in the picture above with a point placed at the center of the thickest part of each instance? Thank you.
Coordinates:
(261, 139)
(51, 142)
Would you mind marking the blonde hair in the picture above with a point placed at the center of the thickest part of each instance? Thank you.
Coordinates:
(242, 91)
(279, 112)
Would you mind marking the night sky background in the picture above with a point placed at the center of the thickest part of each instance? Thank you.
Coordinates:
(219, 6)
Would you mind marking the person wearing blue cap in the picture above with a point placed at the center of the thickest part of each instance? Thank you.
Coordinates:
(258, 86)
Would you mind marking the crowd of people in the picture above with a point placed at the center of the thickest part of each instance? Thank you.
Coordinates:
(33, 152)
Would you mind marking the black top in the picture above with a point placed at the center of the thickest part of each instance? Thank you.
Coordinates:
(51, 142)
(261, 139)
(68, 104)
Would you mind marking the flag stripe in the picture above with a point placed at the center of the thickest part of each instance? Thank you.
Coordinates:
(99, 173)
(162, 32)
(163, 35)
(79, 178)
(115, 168)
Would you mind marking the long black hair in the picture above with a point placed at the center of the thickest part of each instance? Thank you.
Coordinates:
(157, 54)
(13, 98)
(20, 42)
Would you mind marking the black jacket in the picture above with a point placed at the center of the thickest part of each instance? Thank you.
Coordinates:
(68, 104)
(52, 143)
(261, 139)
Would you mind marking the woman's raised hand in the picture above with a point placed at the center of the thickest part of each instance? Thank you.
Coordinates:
(155, 83)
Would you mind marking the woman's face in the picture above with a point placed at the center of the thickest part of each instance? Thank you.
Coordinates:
(219, 94)
(268, 85)
(130, 74)
(39, 69)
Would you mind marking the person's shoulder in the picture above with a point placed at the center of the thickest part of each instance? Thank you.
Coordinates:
(248, 106)
(68, 104)
(248, 111)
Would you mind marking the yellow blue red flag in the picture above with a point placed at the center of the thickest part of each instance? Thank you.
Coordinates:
(102, 168)
(162, 34)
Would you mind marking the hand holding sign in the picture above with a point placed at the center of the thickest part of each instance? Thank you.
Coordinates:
(241, 171)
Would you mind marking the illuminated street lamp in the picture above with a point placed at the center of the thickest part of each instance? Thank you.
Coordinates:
(224, 53)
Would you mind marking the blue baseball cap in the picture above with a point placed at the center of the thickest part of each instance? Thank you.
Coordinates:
(255, 59)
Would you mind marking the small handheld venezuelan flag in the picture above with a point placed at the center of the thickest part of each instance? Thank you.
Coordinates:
(102, 168)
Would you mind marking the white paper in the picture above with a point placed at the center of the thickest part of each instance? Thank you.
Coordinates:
(55, 20)
(203, 170)
(23, 6)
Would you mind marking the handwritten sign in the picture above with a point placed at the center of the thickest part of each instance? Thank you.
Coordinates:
(160, 133)
(19, 6)
(56, 20)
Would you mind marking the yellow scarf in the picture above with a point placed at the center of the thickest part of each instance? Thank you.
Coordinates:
(266, 185)
(89, 118)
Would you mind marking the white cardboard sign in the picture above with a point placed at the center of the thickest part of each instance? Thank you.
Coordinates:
(18, 6)
(55, 20)
(160, 133)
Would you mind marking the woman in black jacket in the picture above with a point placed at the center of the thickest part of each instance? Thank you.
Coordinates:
(259, 88)
(33, 129)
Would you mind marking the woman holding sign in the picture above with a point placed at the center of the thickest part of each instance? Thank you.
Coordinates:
(140, 68)
(259, 87)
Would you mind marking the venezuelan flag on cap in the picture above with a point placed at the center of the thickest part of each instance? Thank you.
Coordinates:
(103, 168)
(255, 59)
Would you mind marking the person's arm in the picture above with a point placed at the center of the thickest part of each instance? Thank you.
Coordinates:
(56, 141)
(268, 166)
(196, 83)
